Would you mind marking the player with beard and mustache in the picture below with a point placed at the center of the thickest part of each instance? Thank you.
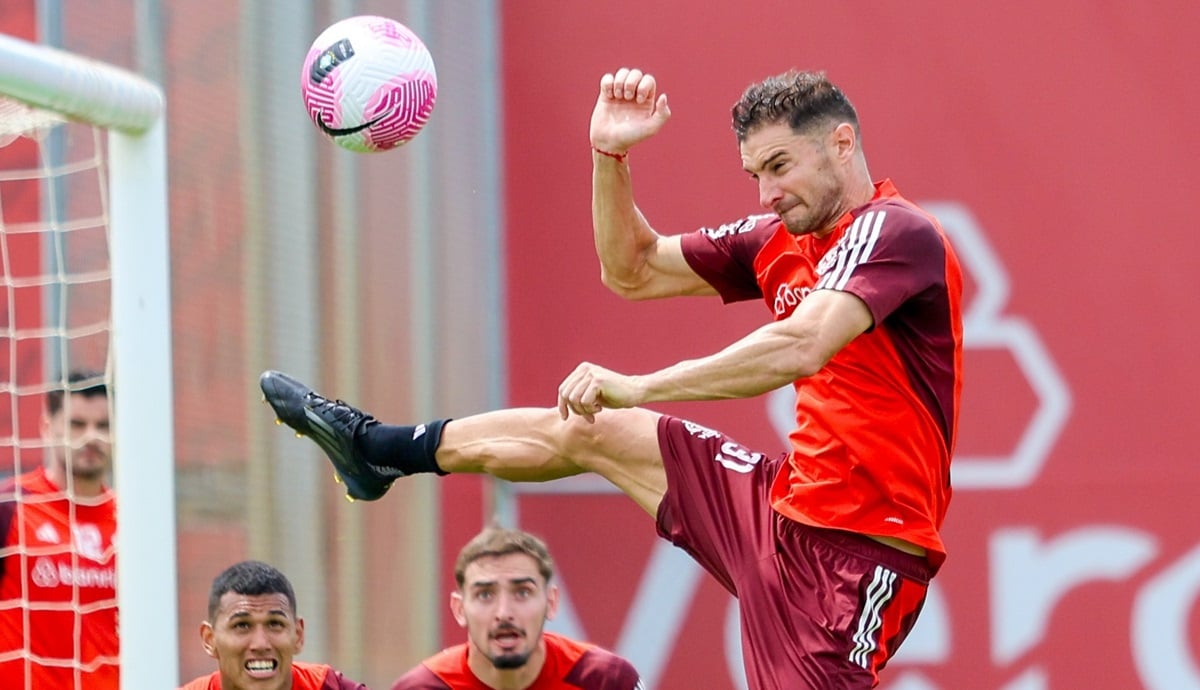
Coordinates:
(58, 588)
(504, 597)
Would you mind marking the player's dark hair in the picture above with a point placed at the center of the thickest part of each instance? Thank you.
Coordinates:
(250, 578)
(500, 541)
(801, 99)
(83, 382)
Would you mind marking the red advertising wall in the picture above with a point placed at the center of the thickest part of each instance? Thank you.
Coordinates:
(1056, 141)
(21, 308)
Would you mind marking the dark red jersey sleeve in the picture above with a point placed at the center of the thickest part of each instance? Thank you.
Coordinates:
(724, 256)
(310, 676)
(898, 262)
(203, 683)
(890, 254)
(336, 681)
(420, 677)
(600, 669)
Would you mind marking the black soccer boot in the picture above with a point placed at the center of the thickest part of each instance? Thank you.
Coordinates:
(332, 424)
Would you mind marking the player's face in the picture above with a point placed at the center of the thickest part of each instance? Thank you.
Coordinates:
(78, 436)
(797, 174)
(254, 639)
(504, 605)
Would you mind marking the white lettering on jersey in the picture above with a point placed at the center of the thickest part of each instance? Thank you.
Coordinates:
(738, 458)
(787, 297)
(735, 228)
(88, 541)
(837, 265)
(699, 431)
(48, 534)
(47, 573)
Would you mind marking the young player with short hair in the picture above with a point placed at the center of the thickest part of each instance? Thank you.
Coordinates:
(504, 598)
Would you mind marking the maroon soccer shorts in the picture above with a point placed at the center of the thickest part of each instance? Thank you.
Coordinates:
(821, 609)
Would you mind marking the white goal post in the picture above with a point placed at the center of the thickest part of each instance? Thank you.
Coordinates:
(131, 109)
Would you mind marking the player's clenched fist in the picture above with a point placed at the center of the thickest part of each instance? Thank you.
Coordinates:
(591, 388)
(628, 110)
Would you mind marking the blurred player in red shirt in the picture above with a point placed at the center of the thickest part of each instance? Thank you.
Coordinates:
(58, 600)
(254, 633)
(504, 598)
(828, 547)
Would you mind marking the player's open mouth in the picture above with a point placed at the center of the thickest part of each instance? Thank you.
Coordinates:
(261, 666)
(507, 637)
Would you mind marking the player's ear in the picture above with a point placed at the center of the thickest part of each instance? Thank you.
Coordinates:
(299, 634)
(456, 609)
(206, 639)
(551, 602)
(845, 140)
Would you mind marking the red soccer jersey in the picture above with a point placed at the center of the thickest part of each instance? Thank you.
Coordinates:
(58, 599)
(875, 428)
(304, 677)
(570, 665)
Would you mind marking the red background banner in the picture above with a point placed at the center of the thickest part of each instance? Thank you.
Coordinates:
(1057, 139)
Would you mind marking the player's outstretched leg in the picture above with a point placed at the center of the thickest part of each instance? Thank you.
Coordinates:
(341, 431)
(518, 444)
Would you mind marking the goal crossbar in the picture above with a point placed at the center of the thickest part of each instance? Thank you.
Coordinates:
(78, 87)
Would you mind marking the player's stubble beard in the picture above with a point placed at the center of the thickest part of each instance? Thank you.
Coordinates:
(818, 214)
(94, 470)
(820, 201)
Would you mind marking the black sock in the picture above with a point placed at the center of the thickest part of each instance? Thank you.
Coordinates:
(409, 449)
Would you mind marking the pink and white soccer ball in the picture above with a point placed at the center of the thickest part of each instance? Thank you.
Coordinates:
(368, 83)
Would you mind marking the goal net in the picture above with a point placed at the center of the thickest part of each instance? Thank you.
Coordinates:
(85, 307)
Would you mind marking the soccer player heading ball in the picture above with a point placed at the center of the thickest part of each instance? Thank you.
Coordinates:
(829, 546)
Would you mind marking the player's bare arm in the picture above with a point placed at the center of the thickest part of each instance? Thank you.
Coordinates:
(770, 357)
(635, 261)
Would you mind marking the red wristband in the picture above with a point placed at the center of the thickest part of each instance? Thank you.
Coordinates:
(619, 157)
